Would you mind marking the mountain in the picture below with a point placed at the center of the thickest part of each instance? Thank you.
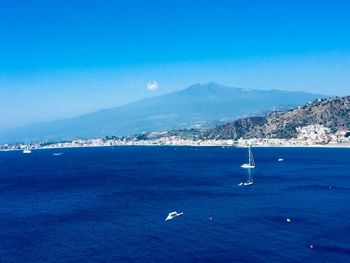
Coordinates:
(196, 106)
(333, 113)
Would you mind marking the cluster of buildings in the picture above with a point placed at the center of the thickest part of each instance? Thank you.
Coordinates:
(318, 134)
(306, 136)
(164, 141)
(314, 134)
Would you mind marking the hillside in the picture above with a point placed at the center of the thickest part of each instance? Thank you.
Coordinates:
(333, 113)
(198, 106)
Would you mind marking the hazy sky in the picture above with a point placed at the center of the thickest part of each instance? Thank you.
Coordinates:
(64, 58)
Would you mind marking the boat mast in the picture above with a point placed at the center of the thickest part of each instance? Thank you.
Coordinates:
(251, 158)
(250, 177)
(250, 155)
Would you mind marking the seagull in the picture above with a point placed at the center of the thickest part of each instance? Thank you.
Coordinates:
(173, 215)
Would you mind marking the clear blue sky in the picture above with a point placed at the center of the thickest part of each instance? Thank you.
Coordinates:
(63, 58)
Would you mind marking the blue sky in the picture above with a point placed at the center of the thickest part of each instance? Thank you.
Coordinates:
(63, 58)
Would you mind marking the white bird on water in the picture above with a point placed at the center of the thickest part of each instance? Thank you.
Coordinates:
(172, 215)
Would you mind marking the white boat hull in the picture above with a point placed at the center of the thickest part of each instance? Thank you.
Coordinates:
(246, 184)
(246, 165)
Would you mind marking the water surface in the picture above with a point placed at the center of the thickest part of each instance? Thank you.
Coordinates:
(109, 205)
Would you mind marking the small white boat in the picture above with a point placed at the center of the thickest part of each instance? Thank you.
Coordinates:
(27, 150)
(246, 184)
(57, 154)
(251, 163)
(280, 159)
(246, 165)
(172, 215)
(250, 181)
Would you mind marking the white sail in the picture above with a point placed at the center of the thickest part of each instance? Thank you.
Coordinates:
(250, 177)
(249, 166)
(251, 163)
(250, 181)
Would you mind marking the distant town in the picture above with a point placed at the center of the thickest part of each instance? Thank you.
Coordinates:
(311, 135)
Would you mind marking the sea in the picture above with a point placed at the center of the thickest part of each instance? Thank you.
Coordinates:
(109, 204)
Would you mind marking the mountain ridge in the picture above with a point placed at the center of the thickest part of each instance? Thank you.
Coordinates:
(332, 113)
(199, 105)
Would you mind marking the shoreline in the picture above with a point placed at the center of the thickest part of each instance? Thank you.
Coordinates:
(340, 145)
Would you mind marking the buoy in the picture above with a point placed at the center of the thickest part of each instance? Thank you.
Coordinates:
(210, 218)
(311, 246)
(288, 220)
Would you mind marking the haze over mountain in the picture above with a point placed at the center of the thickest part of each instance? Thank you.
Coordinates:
(196, 106)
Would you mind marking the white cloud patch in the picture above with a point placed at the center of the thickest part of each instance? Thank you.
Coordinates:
(152, 85)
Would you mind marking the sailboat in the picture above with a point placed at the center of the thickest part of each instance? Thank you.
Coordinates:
(251, 163)
(27, 150)
(249, 182)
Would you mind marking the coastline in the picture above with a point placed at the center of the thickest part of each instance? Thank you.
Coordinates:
(140, 144)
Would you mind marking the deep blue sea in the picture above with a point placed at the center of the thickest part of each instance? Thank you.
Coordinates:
(109, 205)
